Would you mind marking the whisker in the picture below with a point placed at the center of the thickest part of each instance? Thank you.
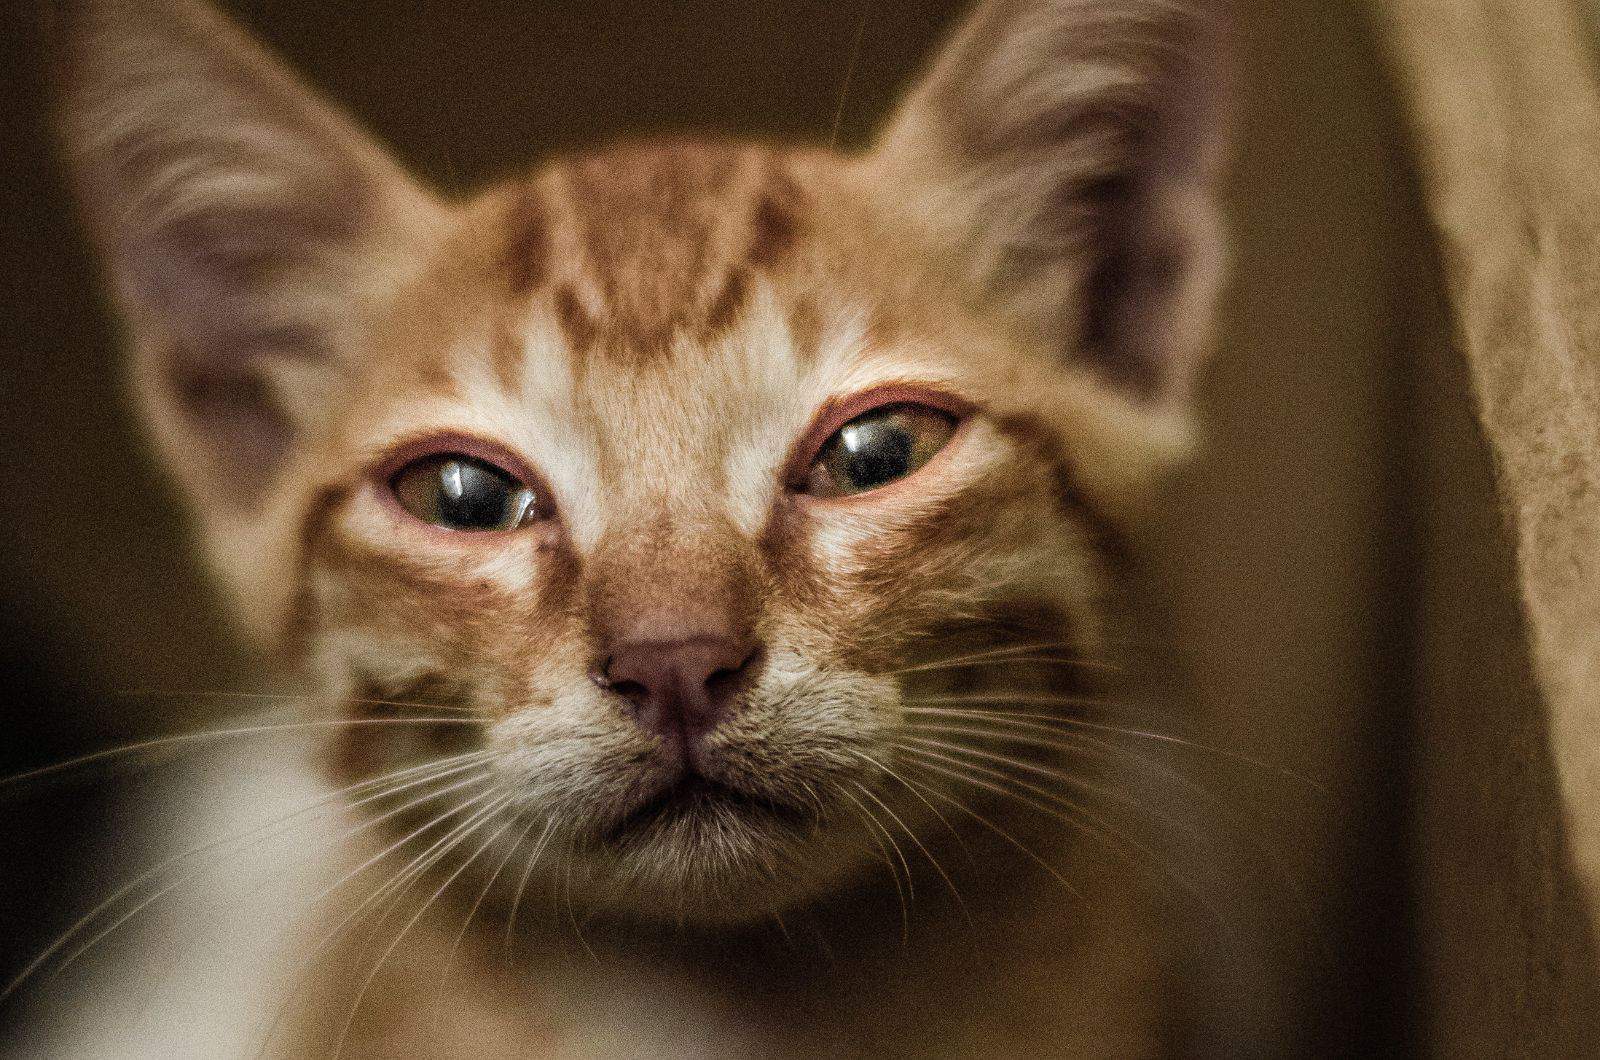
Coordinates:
(1018, 698)
(1027, 851)
(285, 697)
(895, 846)
(849, 75)
(444, 977)
(1078, 662)
(479, 819)
(1074, 743)
(1072, 780)
(1119, 730)
(393, 811)
(1058, 741)
(566, 896)
(783, 929)
(180, 739)
(1011, 653)
(1081, 818)
(875, 827)
(912, 835)
(396, 811)
(169, 888)
(893, 774)
(177, 859)
(394, 889)
(1050, 735)
(527, 872)
(1077, 744)
(400, 704)
(1241, 820)
(1080, 783)
(1061, 742)
(348, 920)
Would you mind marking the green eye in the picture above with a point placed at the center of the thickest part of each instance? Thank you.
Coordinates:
(877, 448)
(463, 493)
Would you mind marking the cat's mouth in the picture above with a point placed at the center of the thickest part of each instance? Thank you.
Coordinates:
(696, 799)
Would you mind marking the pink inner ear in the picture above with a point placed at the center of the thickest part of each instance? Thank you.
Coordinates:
(1084, 138)
(234, 208)
(1132, 325)
(237, 419)
(221, 286)
(213, 282)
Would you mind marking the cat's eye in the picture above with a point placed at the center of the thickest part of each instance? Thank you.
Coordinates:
(464, 493)
(877, 448)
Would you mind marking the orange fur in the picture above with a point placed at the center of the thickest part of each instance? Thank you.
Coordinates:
(650, 330)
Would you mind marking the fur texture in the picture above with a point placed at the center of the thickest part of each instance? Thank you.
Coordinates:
(651, 336)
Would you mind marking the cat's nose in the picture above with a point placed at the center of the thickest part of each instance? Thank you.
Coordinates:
(680, 689)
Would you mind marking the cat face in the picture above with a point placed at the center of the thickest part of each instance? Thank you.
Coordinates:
(686, 475)
(670, 487)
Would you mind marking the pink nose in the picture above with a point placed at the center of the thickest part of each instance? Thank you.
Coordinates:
(680, 690)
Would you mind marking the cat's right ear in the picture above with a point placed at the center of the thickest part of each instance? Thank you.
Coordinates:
(1065, 154)
(245, 225)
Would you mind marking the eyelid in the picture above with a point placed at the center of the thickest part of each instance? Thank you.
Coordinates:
(411, 448)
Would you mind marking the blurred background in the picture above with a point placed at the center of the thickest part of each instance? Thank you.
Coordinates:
(1333, 568)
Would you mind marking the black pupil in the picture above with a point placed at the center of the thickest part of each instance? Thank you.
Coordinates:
(874, 452)
(472, 495)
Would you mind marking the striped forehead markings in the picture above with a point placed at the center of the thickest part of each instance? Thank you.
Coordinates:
(631, 246)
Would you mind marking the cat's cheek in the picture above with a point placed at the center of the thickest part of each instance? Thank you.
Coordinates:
(393, 566)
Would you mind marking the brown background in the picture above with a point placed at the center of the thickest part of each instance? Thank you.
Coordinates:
(1333, 565)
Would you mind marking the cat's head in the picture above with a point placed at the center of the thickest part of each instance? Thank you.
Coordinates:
(692, 470)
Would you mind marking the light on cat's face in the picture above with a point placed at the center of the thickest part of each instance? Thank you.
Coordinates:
(696, 673)
(472, 494)
(687, 468)
(690, 585)
(680, 602)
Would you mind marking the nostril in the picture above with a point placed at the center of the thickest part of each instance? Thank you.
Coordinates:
(630, 690)
(726, 680)
(619, 678)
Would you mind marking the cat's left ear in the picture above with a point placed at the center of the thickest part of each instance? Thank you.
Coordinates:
(246, 227)
(1065, 153)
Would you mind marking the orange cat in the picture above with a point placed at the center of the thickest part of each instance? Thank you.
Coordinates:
(683, 549)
